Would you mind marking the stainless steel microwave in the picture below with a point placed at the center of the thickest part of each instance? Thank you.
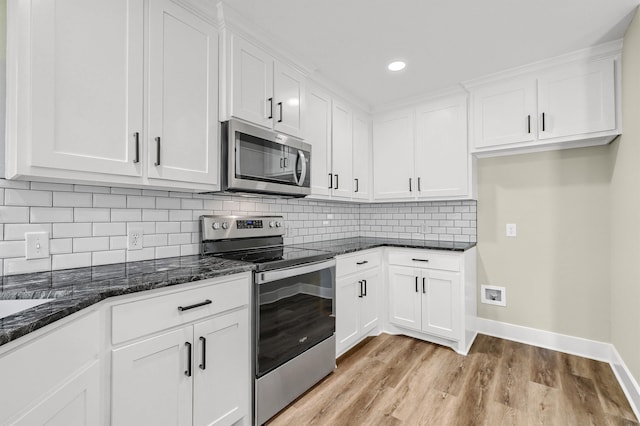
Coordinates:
(263, 161)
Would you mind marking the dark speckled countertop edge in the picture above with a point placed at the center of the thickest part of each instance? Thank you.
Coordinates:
(77, 289)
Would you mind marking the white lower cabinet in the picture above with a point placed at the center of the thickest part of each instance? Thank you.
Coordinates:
(432, 295)
(193, 374)
(358, 289)
(53, 378)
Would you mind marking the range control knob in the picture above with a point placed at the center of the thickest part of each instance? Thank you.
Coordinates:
(278, 224)
(215, 225)
(272, 224)
(225, 225)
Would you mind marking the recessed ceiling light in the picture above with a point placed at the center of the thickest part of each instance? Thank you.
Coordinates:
(396, 66)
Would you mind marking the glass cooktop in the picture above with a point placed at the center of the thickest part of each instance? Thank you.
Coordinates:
(276, 257)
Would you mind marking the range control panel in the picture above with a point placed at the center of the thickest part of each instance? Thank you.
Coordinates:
(230, 227)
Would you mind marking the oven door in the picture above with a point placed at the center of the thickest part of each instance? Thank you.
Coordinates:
(295, 310)
(266, 161)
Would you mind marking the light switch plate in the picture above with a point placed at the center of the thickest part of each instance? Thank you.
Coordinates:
(511, 230)
(37, 245)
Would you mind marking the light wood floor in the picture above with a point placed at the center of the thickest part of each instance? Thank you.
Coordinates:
(393, 380)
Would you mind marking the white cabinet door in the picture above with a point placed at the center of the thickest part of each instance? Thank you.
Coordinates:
(76, 403)
(369, 302)
(404, 297)
(347, 325)
(221, 369)
(442, 159)
(577, 99)
(504, 113)
(442, 304)
(342, 141)
(183, 139)
(361, 157)
(393, 155)
(150, 385)
(252, 83)
(86, 86)
(318, 134)
(289, 91)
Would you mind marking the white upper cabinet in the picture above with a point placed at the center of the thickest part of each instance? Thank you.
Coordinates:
(421, 153)
(505, 113)
(264, 91)
(76, 86)
(577, 99)
(318, 134)
(563, 103)
(442, 160)
(342, 142)
(79, 91)
(393, 155)
(183, 92)
(361, 157)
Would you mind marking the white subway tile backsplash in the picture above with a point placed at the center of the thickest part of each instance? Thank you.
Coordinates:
(147, 253)
(108, 257)
(192, 226)
(109, 201)
(180, 215)
(126, 215)
(154, 193)
(81, 214)
(192, 204)
(71, 230)
(167, 251)
(179, 239)
(16, 184)
(134, 202)
(51, 214)
(20, 197)
(12, 249)
(189, 249)
(154, 240)
(46, 186)
(73, 260)
(72, 199)
(16, 231)
(149, 215)
(14, 214)
(167, 203)
(90, 244)
(167, 227)
(92, 189)
(109, 229)
(117, 243)
(21, 265)
(61, 245)
(126, 191)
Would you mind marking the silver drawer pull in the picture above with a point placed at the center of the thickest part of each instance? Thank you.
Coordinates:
(420, 260)
(362, 263)
(197, 305)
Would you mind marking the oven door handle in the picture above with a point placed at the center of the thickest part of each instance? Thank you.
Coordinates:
(303, 169)
(279, 274)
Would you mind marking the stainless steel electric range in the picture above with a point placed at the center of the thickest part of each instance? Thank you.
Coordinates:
(294, 306)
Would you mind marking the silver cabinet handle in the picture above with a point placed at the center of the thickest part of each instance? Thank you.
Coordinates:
(157, 163)
(137, 137)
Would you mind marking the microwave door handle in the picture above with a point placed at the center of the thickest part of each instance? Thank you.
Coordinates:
(303, 171)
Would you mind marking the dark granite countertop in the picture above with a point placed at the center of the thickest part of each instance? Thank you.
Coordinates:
(350, 245)
(76, 289)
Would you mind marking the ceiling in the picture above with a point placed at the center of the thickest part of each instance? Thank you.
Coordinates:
(350, 42)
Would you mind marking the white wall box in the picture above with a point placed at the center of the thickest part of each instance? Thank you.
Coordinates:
(359, 285)
(262, 89)
(341, 140)
(432, 296)
(421, 153)
(52, 376)
(193, 365)
(565, 102)
(76, 103)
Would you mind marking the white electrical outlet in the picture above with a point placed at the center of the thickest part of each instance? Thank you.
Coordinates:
(511, 230)
(37, 245)
(134, 238)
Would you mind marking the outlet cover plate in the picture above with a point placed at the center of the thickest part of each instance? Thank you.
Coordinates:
(511, 230)
(493, 295)
(135, 237)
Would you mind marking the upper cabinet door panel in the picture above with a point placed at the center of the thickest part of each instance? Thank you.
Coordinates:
(342, 131)
(361, 157)
(577, 99)
(318, 134)
(252, 83)
(86, 68)
(504, 113)
(288, 104)
(442, 160)
(393, 155)
(183, 93)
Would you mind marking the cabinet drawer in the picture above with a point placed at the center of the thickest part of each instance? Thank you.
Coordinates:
(156, 313)
(361, 261)
(425, 259)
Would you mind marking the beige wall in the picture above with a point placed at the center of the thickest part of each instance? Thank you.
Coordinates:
(625, 208)
(556, 271)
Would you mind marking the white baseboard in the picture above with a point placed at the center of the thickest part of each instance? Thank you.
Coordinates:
(586, 348)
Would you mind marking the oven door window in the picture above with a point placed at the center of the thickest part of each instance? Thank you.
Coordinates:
(264, 160)
(293, 315)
